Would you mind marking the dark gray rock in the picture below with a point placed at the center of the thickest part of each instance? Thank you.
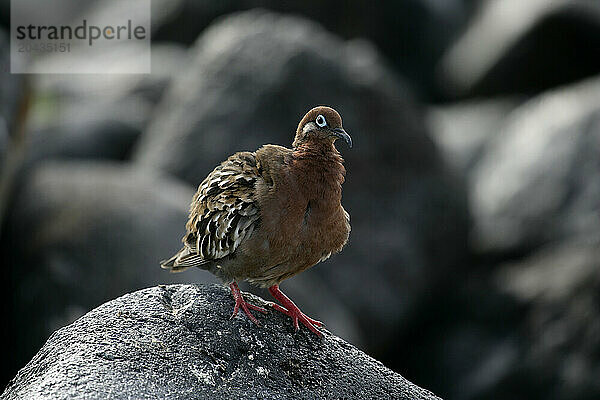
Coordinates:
(96, 116)
(413, 34)
(252, 77)
(538, 180)
(13, 88)
(466, 343)
(558, 287)
(514, 47)
(101, 138)
(524, 329)
(4, 141)
(80, 233)
(463, 130)
(178, 342)
(167, 61)
(67, 10)
(524, 323)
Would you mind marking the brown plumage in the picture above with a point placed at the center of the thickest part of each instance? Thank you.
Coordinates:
(268, 215)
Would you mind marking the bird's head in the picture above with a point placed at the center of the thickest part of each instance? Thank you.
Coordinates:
(321, 125)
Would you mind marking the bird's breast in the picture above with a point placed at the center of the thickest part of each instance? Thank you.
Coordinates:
(302, 222)
(303, 230)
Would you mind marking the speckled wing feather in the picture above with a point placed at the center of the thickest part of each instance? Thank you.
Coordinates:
(223, 213)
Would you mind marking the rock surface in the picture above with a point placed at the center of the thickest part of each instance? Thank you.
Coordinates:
(176, 342)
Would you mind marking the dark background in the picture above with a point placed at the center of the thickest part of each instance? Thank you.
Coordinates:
(473, 186)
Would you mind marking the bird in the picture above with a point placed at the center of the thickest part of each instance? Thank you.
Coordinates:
(268, 215)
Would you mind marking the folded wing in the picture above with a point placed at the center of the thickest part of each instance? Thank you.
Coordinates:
(222, 215)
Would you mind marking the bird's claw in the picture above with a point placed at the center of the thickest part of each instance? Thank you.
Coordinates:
(310, 323)
(296, 315)
(244, 305)
(241, 303)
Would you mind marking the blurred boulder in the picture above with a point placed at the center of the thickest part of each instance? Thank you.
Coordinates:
(465, 345)
(79, 233)
(480, 362)
(413, 34)
(463, 130)
(538, 181)
(513, 46)
(96, 116)
(560, 286)
(10, 83)
(68, 10)
(252, 77)
(524, 322)
(13, 88)
(14, 108)
(179, 342)
(99, 139)
(524, 329)
(4, 141)
(5, 14)
(167, 61)
(185, 20)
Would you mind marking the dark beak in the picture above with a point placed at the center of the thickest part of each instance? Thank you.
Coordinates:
(342, 134)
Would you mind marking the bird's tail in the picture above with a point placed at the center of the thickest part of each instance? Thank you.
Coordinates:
(171, 264)
(183, 260)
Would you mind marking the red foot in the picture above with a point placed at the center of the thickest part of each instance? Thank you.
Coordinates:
(240, 302)
(293, 311)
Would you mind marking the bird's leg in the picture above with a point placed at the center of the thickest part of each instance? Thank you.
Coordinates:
(240, 302)
(291, 310)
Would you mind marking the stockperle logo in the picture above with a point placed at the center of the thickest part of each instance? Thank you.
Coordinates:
(58, 36)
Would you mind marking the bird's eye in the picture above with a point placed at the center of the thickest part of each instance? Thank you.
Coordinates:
(321, 122)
